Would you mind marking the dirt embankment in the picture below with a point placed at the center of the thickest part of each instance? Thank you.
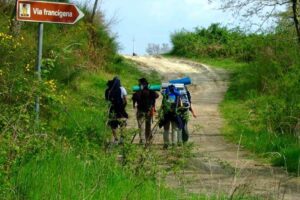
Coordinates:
(217, 166)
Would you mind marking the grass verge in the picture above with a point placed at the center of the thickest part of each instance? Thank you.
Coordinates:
(279, 149)
(246, 115)
(67, 175)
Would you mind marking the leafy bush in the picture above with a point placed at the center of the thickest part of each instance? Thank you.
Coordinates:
(215, 42)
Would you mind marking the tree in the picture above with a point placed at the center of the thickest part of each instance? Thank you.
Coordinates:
(295, 6)
(264, 9)
(15, 26)
(165, 48)
(94, 11)
(155, 49)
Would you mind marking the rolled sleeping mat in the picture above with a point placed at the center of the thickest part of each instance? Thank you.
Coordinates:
(185, 80)
(177, 85)
(151, 87)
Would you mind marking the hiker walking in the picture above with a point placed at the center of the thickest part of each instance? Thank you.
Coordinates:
(145, 100)
(116, 95)
(170, 117)
(184, 114)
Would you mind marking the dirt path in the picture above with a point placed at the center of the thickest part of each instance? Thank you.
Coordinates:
(218, 166)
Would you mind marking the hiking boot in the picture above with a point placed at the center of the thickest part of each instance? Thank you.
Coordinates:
(165, 146)
(116, 141)
(121, 140)
(150, 137)
(142, 141)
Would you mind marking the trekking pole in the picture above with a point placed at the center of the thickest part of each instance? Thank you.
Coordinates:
(153, 132)
(133, 137)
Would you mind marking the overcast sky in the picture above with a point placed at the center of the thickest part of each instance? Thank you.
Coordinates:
(152, 21)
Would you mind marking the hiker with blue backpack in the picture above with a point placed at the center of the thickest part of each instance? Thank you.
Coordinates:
(185, 105)
(116, 95)
(184, 113)
(169, 116)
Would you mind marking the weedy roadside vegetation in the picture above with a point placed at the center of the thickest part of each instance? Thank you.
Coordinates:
(63, 157)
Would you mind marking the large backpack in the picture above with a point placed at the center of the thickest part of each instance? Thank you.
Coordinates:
(113, 92)
(171, 99)
(114, 97)
(146, 99)
(178, 99)
(185, 101)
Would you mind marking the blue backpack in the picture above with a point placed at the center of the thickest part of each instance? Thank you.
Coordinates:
(177, 97)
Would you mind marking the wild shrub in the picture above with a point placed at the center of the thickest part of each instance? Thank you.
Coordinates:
(215, 42)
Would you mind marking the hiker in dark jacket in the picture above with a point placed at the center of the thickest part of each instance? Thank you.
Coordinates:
(116, 95)
(145, 100)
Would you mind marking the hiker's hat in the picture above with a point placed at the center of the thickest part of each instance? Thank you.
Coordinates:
(143, 81)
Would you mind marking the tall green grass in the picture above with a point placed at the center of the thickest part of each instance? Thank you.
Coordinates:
(261, 119)
(65, 175)
(279, 149)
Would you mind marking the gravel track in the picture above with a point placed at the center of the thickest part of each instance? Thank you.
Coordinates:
(218, 166)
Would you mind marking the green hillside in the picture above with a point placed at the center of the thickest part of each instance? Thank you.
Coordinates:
(64, 157)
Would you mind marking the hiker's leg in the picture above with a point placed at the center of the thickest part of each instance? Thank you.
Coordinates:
(140, 120)
(185, 132)
(174, 133)
(166, 133)
(114, 125)
(114, 133)
(179, 135)
(148, 133)
(122, 124)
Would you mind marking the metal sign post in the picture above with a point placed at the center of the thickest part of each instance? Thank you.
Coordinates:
(133, 40)
(38, 68)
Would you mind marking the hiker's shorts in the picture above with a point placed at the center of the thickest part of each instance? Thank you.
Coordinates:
(115, 123)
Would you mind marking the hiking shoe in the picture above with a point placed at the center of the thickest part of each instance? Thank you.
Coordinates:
(121, 140)
(150, 137)
(116, 141)
(165, 146)
(142, 141)
(179, 144)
